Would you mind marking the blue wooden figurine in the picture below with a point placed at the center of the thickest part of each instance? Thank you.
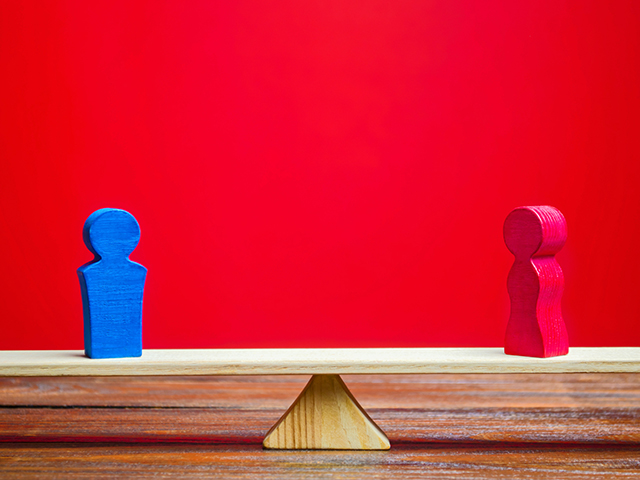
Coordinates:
(112, 286)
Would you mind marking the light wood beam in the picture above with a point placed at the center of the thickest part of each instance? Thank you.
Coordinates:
(317, 361)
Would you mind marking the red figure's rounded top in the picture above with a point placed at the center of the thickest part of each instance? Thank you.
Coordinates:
(535, 231)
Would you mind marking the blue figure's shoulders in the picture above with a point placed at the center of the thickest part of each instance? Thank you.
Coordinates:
(100, 266)
(138, 266)
(87, 266)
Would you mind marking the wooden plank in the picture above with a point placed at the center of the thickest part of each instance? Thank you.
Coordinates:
(579, 391)
(250, 462)
(236, 426)
(317, 361)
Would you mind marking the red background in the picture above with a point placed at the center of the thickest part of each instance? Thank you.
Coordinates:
(320, 173)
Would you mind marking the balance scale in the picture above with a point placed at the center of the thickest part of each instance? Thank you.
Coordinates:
(325, 415)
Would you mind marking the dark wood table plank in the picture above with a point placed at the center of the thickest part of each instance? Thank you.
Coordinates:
(457, 461)
(378, 391)
(619, 426)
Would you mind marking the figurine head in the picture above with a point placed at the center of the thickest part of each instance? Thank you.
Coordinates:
(111, 233)
(535, 231)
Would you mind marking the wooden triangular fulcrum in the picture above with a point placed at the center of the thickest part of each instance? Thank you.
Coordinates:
(326, 416)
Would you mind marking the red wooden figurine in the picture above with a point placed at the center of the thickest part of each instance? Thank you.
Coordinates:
(535, 284)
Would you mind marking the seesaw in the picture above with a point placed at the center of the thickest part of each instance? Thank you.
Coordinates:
(325, 415)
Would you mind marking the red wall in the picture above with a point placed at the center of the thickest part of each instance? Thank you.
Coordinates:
(319, 173)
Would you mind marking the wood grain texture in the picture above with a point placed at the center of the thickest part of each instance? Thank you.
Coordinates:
(574, 408)
(326, 416)
(275, 392)
(317, 361)
(561, 426)
(112, 286)
(419, 462)
(535, 283)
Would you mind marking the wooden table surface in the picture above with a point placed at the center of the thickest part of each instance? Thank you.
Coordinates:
(440, 426)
